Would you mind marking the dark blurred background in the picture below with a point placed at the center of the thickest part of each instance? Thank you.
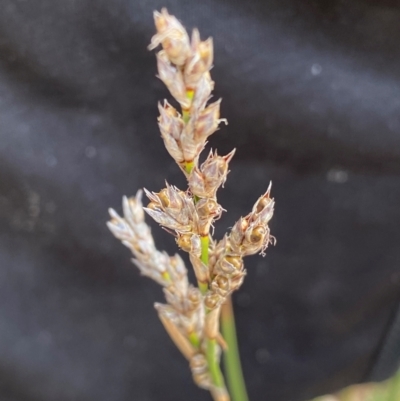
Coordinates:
(311, 90)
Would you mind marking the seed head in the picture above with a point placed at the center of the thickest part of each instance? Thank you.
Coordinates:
(172, 78)
(207, 121)
(263, 209)
(251, 233)
(191, 315)
(172, 208)
(204, 182)
(173, 37)
(202, 94)
(212, 300)
(184, 241)
(221, 285)
(228, 264)
(200, 60)
(171, 126)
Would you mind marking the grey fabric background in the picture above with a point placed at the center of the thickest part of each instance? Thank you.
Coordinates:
(311, 90)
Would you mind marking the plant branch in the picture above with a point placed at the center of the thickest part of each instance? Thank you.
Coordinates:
(232, 364)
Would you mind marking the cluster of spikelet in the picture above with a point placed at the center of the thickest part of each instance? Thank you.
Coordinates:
(191, 314)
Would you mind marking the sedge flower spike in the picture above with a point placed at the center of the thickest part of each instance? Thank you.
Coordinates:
(191, 314)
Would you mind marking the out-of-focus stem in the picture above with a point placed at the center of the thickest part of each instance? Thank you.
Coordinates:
(213, 366)
(194, 340)
(203, 287)
(233, 367)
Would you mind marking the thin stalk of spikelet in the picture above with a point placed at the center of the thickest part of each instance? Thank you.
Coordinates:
(191, 314)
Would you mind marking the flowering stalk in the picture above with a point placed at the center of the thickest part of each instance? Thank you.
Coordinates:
(191, 315)
(232, 363)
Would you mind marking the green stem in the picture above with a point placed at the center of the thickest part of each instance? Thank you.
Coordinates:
(217, 377)
(194, 340)
(188, 166)
(213, 365)
(203, 287)
(205, 242)
(394, 388)
(232, 364)
(212, 356)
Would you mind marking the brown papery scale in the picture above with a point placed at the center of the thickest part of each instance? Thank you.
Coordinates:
(257, 234)
(164, 197)
(222, 282)
(212, 300)
(235, 260)
(153, 206)
(184, 242)
(262, 204)
(207, 207)
(194, 296)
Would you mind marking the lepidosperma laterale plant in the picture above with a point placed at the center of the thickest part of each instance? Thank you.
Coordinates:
(193, 315)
